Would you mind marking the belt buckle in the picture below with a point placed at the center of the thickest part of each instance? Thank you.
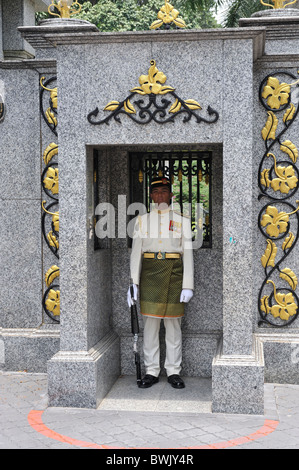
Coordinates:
(159, 255)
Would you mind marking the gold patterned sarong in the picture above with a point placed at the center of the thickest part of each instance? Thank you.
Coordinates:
(161, 287)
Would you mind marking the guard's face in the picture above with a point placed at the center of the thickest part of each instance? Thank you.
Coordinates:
(161, 196)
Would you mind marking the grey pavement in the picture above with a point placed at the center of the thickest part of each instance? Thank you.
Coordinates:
(131, 418)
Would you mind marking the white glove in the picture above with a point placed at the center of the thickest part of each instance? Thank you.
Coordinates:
(135, 295)
(186, 295)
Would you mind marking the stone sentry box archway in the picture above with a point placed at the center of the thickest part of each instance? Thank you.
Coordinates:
(215, 68)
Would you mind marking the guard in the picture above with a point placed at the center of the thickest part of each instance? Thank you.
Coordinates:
(163, 273)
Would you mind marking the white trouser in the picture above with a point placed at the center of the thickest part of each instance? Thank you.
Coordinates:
(151, 345)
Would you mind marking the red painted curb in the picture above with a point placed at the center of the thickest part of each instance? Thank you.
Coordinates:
(36, 422)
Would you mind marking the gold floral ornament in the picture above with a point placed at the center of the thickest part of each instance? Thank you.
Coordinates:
(53, 302)
(53, 93)
(152, 109)
(276, 222)
(55, 217)
(153, 82)
(51, 180)
(278, 3)
(65, 11)
(51, 274)
(268, 258)
(50, 152)
(167, 15)
(50, 112)
(276, 93)
(285, 304)
(51, 237)
(285, 181)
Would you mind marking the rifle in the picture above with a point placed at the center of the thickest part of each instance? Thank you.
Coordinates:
(135, 332)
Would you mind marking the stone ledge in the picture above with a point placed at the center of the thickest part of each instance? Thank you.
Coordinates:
(255, 359)
(43, 37)
(92, 355)
(36, 64)
(238, 382)
(30, 332)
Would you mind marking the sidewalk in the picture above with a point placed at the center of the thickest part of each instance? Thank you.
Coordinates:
(130, 418)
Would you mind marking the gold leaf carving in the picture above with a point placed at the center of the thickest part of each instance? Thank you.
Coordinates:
(111, 106)
(288, 147)
(289, 114)
(175, 107)
(180, 23)
(139, 90)
(53, 240)
(51, 117)
(192, 104)
(55, 220)
(156, 24)
(166, 89)
(268, 257)
(50, 152)
(129, 108)
(269, 130)
(288, 275)
(51, 274)
(265, 307)
(265, 181)
(288, 241)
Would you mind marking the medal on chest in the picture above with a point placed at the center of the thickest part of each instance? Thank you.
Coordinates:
(175, 226)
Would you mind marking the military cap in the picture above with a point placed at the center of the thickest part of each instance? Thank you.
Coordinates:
(160, 181)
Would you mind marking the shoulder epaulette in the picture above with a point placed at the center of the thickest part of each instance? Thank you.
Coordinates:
(182, 215)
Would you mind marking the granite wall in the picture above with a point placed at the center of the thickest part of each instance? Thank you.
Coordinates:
(29, 337)
(221, 69)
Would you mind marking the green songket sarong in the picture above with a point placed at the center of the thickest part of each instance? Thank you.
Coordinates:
(161, 287)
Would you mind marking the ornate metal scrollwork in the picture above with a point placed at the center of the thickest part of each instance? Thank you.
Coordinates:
(2, 108)
(51, 299)
(278, 182)
(50, 216)
(50, 115)
(153, 108)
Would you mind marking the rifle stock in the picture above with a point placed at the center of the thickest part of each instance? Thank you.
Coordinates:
(135, 332)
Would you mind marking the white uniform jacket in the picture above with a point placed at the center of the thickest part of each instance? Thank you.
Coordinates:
(167, 231)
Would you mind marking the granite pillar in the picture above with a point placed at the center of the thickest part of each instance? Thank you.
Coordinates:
(87, 365)
(238, 367)
(1, 29)
(16, 13)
